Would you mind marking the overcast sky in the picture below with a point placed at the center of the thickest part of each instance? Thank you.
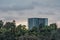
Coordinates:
(21, 10)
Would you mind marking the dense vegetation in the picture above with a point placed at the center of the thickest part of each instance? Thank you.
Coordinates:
(9, 31)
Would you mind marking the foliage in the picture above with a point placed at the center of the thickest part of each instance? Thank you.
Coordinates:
(1, 23)
(10, 31)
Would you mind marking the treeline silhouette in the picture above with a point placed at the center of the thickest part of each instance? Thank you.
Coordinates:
(9, 31)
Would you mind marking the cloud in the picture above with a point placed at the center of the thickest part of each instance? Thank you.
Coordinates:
(8, 18)
(16, 8)
(47, 3)
(21, 10)
(15, 5)
(46, 13)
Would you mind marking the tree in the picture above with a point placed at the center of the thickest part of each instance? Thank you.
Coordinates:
(56, 35)
(24, 27)
(10, 25)
(53, 26)
(20, 30)
(1, 23)
(19, 27)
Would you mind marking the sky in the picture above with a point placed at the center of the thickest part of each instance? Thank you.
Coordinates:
(21, 10)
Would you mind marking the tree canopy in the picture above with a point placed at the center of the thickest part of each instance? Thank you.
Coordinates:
(9, 31)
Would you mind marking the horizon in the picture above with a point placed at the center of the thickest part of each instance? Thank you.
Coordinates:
(26, 22)
(21, 10)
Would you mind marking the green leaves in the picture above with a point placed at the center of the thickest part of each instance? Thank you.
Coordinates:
(1, 23)
(10, 31)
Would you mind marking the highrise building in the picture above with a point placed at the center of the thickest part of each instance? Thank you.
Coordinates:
(36, 22)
